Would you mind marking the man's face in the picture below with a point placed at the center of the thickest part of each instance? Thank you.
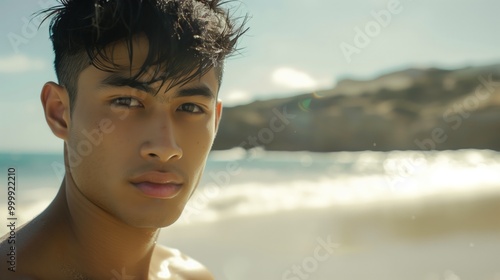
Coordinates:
(122, 140)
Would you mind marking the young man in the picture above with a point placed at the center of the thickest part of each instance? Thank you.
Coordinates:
(137, 108)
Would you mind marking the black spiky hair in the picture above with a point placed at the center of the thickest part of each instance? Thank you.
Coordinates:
(186, 37)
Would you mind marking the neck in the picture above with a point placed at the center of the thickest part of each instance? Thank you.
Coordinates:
(99, 245)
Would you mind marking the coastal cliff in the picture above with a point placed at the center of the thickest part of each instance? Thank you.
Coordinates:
(413, 109)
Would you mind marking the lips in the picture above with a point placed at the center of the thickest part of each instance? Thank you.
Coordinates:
(156, 184)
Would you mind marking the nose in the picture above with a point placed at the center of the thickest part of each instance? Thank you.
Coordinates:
(161, 145)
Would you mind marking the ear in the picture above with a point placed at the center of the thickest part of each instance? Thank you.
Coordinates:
(55, 102)
(218, 114)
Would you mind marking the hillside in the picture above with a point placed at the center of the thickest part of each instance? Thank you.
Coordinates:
(414, 109)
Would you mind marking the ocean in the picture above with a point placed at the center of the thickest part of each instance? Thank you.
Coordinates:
(240, 182)
(264, 212)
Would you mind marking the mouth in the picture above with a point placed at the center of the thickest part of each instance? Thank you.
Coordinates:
(158, 184)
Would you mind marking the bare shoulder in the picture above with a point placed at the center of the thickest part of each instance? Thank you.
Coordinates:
(171, 263)
(8, 268)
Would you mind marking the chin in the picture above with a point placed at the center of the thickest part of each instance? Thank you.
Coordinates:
(152, 221)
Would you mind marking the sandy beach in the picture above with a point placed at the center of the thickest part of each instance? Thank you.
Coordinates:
(438, 237)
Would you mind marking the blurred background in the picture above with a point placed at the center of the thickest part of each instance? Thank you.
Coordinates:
(359, 140)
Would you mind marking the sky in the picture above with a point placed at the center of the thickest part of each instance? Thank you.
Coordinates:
(292, 47)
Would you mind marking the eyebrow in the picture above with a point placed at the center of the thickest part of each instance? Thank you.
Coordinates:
(117, 80)
(200, 90)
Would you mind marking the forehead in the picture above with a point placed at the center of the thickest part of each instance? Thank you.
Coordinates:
(126, 59)
(126, 56)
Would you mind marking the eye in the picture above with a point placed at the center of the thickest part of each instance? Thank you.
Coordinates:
(191, 108)
(126, 102)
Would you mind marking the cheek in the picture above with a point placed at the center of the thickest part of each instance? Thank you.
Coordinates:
(196, 143)
(91, 152)
(199, 136)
